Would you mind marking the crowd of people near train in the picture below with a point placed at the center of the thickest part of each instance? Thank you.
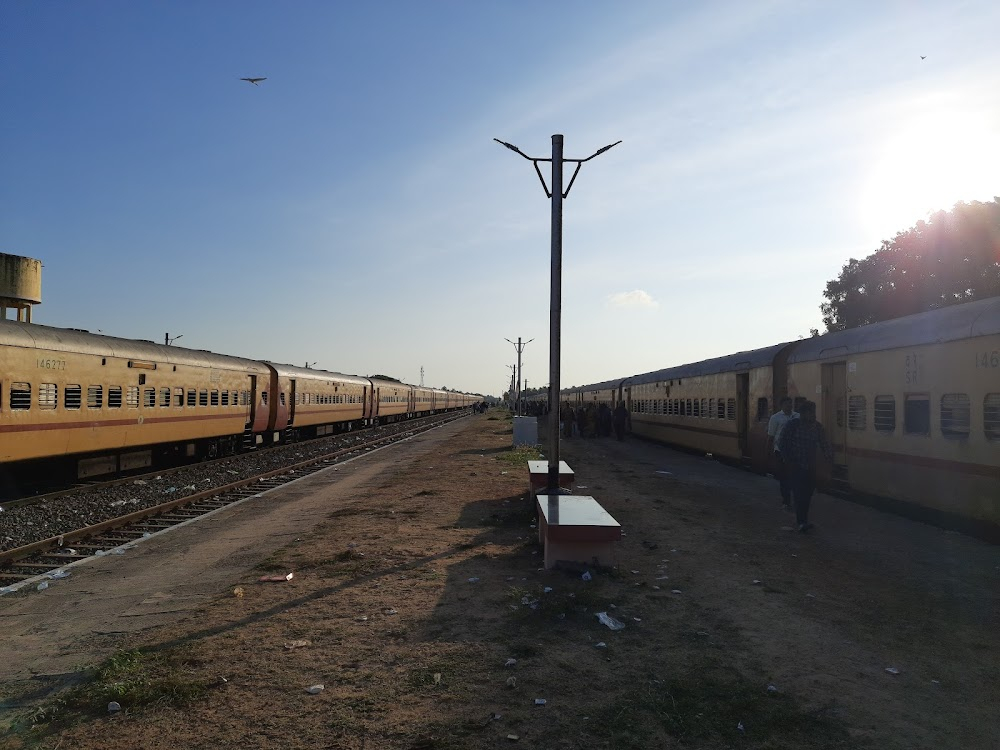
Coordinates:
(587, 420)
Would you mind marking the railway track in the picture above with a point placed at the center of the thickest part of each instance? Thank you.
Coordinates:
(37, 563)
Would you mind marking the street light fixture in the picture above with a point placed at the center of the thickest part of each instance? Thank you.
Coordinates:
(556, 194)
(167, 341)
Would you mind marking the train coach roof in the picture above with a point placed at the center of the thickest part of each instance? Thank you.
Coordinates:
(602, 386)
(308, 373)
(730, 363)
(70, 340)
(979, 318)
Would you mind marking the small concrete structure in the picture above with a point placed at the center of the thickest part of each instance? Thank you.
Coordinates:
(525, 431)
(538, 476)
(576, 529)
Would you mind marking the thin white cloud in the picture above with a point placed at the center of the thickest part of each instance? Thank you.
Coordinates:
(635, 298)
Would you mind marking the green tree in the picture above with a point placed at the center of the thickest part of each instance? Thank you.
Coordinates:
(953, 257)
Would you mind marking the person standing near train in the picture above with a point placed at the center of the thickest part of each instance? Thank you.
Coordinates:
(801, 439)
(778, 420)
(621, 418)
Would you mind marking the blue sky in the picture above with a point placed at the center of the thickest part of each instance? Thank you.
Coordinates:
(353, 210)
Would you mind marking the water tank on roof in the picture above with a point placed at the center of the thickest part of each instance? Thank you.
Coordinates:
(20, 285)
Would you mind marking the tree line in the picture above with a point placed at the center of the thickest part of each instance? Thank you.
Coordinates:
(951, 258)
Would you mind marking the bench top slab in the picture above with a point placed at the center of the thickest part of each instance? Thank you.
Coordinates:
(574, 510)
(542, 467)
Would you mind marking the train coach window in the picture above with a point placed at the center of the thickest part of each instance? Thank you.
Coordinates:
(697, 408)
(917, 414)
(95, 397)
(48, 395)
(115, 397)
(225, 398)
(763, 415)
(704, 408)
(263, 397)
(721, 413)
(857, 412)
(72, 397)
(885, 413)
(20, 396)
(991, 416)
(164, 397)
(192, 397)
(132, 397)
(956, 413)
(281, 398)
(203, 397)
(149, 397)
(178, 397)
(214, 397)
(731, 409)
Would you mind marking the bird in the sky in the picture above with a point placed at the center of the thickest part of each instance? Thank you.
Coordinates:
(923, 57)
(254, 81)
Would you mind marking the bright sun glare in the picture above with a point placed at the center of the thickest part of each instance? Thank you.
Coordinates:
(934, 161)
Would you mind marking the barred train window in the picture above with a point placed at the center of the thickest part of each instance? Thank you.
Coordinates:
(48, 395)
(164, 397)
(697, 408)
(956, 413)
(225, 398)
(991, 416)
(704, 408)
(731, 409)
(203, 397)
(857, 412)
(721, 413)
(711, 408)
(762, 413)
(917, 414)
(114, 397)
(72, 396)
(215, 398)
(885, 413)
(149, 397)
(95, 396)
(132, 397)
(20, 396)
(178, 397)
(192, 397)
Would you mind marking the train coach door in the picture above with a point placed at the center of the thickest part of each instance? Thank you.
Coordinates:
(833, 413)
(252, 400)
(743, 411)
(292, 392)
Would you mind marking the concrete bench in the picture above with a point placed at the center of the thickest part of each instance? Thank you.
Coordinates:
(576, 529)
(538, 476)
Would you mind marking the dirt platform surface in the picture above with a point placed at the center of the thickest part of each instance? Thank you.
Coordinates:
(417, 581)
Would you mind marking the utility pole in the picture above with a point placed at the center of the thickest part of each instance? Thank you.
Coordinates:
(520, 348)
(556, 194)
(167, 341)
(513, 374)
(421, 376)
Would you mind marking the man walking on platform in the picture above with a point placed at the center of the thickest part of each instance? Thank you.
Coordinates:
(778, 420)
(800, 439)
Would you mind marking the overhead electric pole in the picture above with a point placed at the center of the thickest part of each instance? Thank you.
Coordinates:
(555, 299)
(518, 375)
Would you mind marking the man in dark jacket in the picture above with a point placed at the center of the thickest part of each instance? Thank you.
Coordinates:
(800, 439)
(621, 419)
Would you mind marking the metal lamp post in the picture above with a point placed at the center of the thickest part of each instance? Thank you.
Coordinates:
(556, 194)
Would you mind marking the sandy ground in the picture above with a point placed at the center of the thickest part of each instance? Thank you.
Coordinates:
(411, 650)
